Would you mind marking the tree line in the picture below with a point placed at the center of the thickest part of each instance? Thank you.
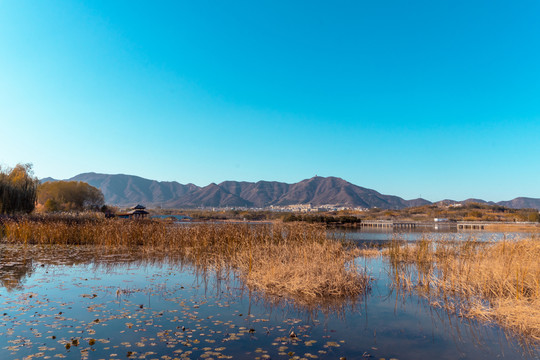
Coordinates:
(20, 191)
(325, 219)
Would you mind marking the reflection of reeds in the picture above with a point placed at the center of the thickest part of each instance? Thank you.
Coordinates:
(13, 268)
(493, 281)
(280, 259)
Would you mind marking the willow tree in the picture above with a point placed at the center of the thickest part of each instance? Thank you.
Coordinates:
(18, 189)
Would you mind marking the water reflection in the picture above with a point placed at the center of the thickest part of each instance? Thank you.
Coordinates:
(447, 314)
(381, 237)
(15, 266)
(77, 302)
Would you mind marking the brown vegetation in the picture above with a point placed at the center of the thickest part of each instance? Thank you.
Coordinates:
(494, 281)
(369, 252)
(69, 196)
(17, 189)
(295, 260)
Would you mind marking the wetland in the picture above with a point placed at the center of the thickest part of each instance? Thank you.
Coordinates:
(116, 290)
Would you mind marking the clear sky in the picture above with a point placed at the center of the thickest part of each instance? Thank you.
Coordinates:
(439, 99)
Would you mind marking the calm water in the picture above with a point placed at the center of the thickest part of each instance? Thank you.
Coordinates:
(369, 236)
(124, 306)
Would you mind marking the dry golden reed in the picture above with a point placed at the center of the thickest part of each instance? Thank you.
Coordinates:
(281, 259)
(494, 281)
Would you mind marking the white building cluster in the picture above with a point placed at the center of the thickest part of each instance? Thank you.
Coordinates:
(310, 208)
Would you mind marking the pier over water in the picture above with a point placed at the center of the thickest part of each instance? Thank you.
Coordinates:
(460, 225)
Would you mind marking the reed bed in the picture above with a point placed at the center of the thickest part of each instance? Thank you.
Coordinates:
(369, 252)
(280, 259)
(492, 281)
(303, 255)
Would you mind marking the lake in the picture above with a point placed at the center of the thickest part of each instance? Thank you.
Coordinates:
(380, 237)
(75, 302)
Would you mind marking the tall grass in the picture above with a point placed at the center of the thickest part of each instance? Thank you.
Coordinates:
(280, 259)
(493, 281)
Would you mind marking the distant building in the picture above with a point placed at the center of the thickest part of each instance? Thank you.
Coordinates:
(136, 212)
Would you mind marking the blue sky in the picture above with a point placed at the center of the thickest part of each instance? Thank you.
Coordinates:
(439, 99)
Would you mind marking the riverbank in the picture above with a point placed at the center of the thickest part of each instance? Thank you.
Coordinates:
(451, 213)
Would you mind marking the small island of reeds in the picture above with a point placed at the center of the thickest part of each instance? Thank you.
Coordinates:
(494, 281)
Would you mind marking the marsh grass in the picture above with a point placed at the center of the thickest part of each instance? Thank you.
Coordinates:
(492, 281)
(280, 259)
(369, 252)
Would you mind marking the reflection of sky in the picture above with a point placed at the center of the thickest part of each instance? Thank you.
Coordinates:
(380, 236)
(156, 298)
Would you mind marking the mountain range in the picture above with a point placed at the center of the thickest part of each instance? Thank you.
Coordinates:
(127, 190)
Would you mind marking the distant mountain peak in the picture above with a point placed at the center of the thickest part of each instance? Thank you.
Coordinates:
(125, 190)
(47, 179)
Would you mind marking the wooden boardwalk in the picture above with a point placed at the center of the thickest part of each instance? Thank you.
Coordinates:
(402, 224)
(459, 225)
